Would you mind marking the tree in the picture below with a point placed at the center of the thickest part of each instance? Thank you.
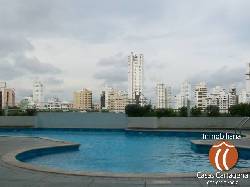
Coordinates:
(135, 110)
(240, 110)
(105, 110)
(183, 112)
(31, 112)
(195, 111)
(165, 112)
(24, 104)
(213, 110)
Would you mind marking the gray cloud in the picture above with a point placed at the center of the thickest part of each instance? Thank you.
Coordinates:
(54, 81)
(8, 71)
(34, 66)
(10, 45)
(23, 92)
(224, 76)
(15, 63)
(112, 70)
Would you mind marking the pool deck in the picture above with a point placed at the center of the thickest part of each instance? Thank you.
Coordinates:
(14, 173)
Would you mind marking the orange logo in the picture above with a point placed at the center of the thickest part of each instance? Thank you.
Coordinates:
(223, 155)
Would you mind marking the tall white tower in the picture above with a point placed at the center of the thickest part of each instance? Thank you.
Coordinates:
(161, 96)
(135, 78)
(248, 79)
(186, 93)
(38, 97)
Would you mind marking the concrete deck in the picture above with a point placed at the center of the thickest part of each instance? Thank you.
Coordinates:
(17, 174)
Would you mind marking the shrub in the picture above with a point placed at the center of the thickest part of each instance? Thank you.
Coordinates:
(240, 110)
(134, 110)
(213, 111)
(165, 113)
(31, 112)
(196, 112)
(183, 112)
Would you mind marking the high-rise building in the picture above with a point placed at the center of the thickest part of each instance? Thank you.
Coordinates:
(178, 101)
(232, 96)
(186, 94)
(201, 95)
(7, 96)
(38, 94)
(102, 100)
(218, 97)
(161, 96)
(169, 97)
(96, 107)
(135, 78)
(115, 100)
(82, 100)
(243, 96)
(2, 87)
(54, 103)
(183, 99)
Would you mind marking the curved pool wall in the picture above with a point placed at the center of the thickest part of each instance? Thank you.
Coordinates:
(33, 153)
(128, 152)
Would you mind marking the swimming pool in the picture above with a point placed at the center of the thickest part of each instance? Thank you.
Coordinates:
(124, 152)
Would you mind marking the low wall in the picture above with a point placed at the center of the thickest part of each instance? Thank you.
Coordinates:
(81, 120)
(17, 121)
(186, 122)
(143, 122)
(118, 121)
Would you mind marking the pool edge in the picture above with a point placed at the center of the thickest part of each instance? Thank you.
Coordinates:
(11, 159)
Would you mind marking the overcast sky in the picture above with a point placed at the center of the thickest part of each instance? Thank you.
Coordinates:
(77, 44)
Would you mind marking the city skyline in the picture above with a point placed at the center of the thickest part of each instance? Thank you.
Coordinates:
(180, 40)
(115, 100)
(45, 96)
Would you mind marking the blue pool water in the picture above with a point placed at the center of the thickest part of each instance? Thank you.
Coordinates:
(124, 152)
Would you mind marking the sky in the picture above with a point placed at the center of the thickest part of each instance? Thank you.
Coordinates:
(70, 45)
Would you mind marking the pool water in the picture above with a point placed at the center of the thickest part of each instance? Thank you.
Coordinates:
(124, 152)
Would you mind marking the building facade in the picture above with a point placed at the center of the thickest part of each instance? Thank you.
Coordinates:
(135, 78)
(161, 96)
(169, 96)
(82, 100)
(186, 94)
(102, 100)
(218, 97)
(7, 96)
(38, 94)
(55, 103)
(233, 98)
(115, 100)
(2, 87)
(200, 95)
(183, 99)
